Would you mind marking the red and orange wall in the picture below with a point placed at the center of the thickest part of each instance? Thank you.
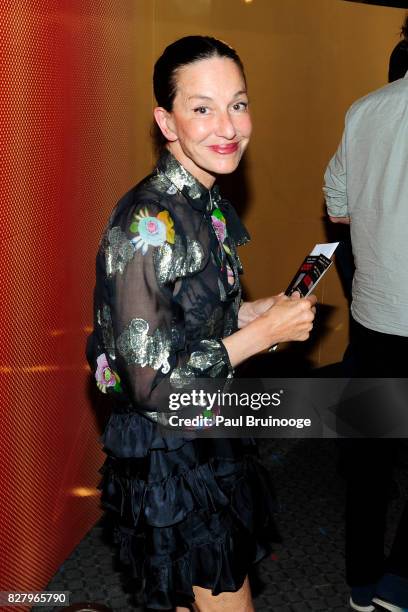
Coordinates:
(68, 133)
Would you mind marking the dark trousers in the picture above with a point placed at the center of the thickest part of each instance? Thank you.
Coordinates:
(368, 465)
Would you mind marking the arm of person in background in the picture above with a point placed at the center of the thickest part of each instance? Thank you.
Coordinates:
(344, 220)
(335, 186)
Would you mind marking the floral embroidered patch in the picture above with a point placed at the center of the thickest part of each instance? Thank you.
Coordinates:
(152, 231)
(105, 376)
(218, 223)
(220, 228)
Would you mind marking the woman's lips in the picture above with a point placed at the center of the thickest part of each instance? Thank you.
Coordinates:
(225, 149)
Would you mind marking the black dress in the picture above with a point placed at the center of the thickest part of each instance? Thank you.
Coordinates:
(187, 511)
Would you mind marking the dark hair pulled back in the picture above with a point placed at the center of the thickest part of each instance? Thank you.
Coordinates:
(180, 53)
(398, 65)
(404, 29)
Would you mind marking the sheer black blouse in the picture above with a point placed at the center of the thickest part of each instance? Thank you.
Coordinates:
(167, 290)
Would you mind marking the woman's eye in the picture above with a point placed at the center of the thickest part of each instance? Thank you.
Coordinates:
(240, 106)
(201, 110)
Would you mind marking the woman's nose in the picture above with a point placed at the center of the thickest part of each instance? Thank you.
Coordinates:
(225, 126)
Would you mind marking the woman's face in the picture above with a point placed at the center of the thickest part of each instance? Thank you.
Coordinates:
(210, 124)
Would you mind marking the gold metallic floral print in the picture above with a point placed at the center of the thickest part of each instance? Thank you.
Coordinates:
(181, 178)
(210, 361)
(118, 251)
(139, 348)
(176, 261)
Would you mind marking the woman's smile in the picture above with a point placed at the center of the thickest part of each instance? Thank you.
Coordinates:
(225, 149)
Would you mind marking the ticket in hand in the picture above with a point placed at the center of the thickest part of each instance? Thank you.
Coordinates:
(314, 266)
(312, 269)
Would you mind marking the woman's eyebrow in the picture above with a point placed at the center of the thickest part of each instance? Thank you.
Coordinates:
(201, 97)
(240, 93)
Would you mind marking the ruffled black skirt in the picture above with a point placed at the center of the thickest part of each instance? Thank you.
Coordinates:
(187, 511)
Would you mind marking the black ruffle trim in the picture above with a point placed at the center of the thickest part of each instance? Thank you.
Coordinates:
(132, 435)
(181, 523)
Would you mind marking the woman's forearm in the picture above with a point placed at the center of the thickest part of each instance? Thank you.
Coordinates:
(289, 318)
(243, 344)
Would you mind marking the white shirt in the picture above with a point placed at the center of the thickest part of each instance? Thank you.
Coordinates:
(367, 180)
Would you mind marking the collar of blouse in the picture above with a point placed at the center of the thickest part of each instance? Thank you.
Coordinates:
(201, 198)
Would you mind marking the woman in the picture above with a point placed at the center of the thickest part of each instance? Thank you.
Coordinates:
(193, 515)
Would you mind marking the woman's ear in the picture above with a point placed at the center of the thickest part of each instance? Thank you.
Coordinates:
(166, 124)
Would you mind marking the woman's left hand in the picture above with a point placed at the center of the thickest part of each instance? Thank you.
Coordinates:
(250, 311)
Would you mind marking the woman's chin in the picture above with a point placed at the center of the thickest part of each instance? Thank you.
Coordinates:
(226, 166)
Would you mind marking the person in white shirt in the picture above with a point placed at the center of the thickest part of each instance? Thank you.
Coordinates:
(366, 186)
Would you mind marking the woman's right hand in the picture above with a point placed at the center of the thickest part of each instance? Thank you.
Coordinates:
(288, 319)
